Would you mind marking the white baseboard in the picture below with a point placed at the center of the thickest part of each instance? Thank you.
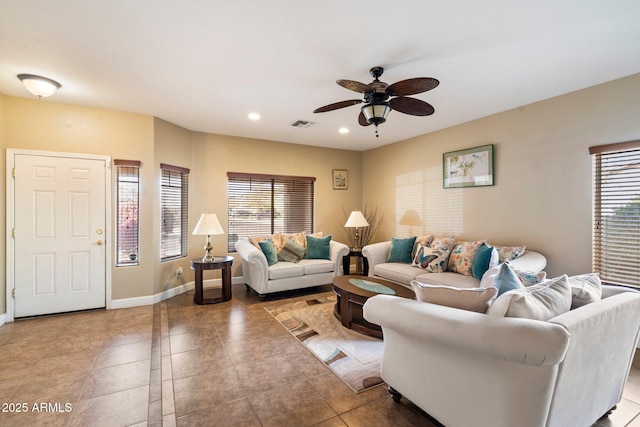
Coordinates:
(3, 318)
(169, 293)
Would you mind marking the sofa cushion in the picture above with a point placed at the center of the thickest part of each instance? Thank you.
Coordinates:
(508, 253)
(300, 238)
(538, 302)
(401, 250)
(269, 251)
(421, 241)
(397, 272)
(292, 251)
(316, 266)
(462, 256)
(430, 259)
(319, 247)
(529, 278)
(283, 270)
(506, 280)
(585, 289)
(472, 299)
(449, 279)
(486, 257)
(255, 241)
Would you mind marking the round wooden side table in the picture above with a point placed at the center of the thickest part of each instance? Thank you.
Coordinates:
(213, 296)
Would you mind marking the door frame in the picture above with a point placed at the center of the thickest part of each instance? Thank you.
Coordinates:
(10, 219)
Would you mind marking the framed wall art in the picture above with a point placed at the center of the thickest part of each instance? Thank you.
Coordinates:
(472, 167)
(340, 179)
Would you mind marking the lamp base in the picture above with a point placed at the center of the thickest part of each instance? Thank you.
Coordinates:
(208, 256)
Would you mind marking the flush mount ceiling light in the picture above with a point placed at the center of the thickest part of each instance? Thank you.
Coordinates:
(254, 116)
(41, 87)
(378, 98)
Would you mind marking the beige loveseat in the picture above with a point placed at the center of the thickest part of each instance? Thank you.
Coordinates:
(473, 369)
(283, 276)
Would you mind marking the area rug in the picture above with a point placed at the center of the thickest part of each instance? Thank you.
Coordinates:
(353, 357)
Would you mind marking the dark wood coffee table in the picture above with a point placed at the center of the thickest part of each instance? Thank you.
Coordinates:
(351, 298)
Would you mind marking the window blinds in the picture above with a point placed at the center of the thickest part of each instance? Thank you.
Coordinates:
(260, 205)
(616, 228)
(127, 206)
(174, 212)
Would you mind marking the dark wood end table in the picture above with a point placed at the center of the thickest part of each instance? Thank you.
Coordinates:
(213, 295)
(346, 263)
(351, 298)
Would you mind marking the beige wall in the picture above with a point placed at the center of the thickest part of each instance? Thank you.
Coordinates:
(542, 195)
(48, 126)
(215, 155)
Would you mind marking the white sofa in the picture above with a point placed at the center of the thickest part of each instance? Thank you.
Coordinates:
(378, 253)
(284, 276)
(472, 369)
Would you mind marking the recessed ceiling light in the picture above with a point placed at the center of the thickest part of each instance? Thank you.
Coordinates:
(254, 116)
(343, 130)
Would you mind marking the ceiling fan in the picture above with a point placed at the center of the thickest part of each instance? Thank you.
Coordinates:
(380, 98)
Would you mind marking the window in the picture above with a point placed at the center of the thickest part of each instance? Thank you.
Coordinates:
(267, 204)
(127, 205)
(174, 212)
(616, 229)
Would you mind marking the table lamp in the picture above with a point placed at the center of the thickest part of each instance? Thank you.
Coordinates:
(208, 225)
(356, 220)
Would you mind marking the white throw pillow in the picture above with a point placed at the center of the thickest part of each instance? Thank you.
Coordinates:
(585, 289)
(539, 302)
(489, 276)
(472, 299)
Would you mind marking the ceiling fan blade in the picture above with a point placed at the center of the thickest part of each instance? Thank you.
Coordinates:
(337, 105)
(353, 85)
(412, 106)
(412, 86)
(362, 120)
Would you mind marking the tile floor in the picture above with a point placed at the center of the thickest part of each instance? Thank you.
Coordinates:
(178, 364)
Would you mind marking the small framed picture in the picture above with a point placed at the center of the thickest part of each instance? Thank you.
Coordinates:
(340, 179)
(472, 167)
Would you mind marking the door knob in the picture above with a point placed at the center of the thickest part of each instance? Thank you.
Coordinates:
(100, 242)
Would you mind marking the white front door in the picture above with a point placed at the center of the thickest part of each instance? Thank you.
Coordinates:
(60, 234)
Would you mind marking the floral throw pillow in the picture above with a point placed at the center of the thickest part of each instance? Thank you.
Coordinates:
(508, 253)
(439, 263)
(461, 258)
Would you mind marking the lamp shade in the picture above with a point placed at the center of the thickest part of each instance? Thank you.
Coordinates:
(356, 219)
(376, 113)
(39, 86)
(208, 225)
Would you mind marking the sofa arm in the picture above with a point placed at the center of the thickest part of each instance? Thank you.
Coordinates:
(254, 265)
(530, 261)
(336, 251)
(523, 341)
(376, 253)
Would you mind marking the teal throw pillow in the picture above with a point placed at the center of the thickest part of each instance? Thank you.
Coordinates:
(269, 251)
(291, 251)
(481, 260)
(401, 250)
(319, 247)
(507, 280)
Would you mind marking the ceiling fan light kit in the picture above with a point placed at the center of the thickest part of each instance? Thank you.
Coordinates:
(378, 101)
